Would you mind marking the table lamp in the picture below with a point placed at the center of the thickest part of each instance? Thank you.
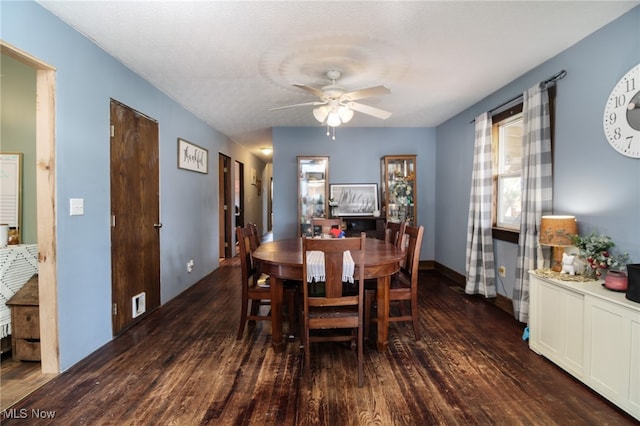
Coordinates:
(557, 231)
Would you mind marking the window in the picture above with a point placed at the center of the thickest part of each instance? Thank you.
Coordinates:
(507, 169)
(508, 172)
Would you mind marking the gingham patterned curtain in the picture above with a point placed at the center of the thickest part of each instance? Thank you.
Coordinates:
(537, 191)
(481, 276)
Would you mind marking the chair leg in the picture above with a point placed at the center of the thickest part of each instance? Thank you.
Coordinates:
(307, 352)
(360, 359)
(291, 302)
(255, 306)
(368, 302)
(300, 320)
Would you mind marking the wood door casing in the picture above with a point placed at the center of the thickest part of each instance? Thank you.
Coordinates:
(239, 187)
(224, 191)
(45, 131)
(135, 233)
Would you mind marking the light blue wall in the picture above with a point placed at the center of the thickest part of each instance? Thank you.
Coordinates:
(591, 180)
(354, 158)
(86, 79)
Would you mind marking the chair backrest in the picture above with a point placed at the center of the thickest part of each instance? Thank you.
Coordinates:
(394, 233)
(255, 237)
(333, 249)
(245, 235)
(326, 224)
(413, 237)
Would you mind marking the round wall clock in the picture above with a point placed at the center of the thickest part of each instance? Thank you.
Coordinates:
(622, 115)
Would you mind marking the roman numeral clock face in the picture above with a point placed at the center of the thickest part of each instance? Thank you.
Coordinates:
(622, 115)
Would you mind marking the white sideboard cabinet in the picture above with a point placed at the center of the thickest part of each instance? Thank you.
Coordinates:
(592, 333)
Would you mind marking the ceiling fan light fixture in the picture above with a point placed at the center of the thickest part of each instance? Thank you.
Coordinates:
(345, 114)
(333, 119)
(336, 105)
(321, 113)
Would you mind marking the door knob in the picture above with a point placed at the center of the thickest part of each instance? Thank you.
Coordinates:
(157, 225)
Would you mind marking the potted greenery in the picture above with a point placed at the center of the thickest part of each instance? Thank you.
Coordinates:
(596, 251)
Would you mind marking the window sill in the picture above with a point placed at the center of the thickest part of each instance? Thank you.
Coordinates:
(504, 234)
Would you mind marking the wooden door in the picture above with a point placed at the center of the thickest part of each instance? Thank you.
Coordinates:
(270, 206)
(135, 226)
(239, 194)
(224, 191)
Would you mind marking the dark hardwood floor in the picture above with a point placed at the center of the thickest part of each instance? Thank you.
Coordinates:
(183, 366)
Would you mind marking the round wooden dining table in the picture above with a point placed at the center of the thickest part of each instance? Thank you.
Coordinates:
(282, 260)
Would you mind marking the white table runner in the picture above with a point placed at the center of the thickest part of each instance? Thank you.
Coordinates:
(315, 266)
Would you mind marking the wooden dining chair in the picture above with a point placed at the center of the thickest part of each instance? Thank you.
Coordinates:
(394, 234)
(255, 290)
(255, 236)
(325, 224)
(404, 284)
(336, 307)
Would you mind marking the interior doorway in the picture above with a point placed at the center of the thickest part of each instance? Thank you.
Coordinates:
(238, 195)
(46, 207)
(224, 203)
(270, 206)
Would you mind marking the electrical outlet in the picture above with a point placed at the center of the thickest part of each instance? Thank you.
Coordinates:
(502, 271)
(190, 264)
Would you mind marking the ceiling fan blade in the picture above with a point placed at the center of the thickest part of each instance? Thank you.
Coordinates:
(313, 90)
(366, 93)
(297, 105)
(369, 110)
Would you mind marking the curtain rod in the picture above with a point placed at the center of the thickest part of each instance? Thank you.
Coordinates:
(557, 76)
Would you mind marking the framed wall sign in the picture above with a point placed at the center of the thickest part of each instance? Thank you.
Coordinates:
(354, 199)
(10, 188)
(192, 157)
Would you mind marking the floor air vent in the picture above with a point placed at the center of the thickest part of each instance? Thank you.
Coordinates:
(138, 305)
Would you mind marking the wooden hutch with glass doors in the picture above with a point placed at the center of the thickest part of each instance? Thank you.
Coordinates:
(313, 190)
(398, 188)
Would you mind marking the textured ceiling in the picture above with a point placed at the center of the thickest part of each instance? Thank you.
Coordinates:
(229, 62)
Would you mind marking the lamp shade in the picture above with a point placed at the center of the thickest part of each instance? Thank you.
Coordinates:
(557, 231)
(345, 114)
(321, 113)
(334, 119)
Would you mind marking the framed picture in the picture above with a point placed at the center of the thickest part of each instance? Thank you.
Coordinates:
(354, 199)
(315, 176)
(10, 189)
(192, 157)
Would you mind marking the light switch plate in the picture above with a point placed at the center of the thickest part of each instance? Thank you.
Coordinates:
(76, 206)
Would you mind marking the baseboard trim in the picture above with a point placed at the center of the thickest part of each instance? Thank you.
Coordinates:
(459, 279)
(500, 301)
(426, 265)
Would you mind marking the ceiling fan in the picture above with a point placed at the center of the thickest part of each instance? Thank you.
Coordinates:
(336, 105)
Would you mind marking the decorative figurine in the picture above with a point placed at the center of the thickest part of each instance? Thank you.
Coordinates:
(568, 266)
